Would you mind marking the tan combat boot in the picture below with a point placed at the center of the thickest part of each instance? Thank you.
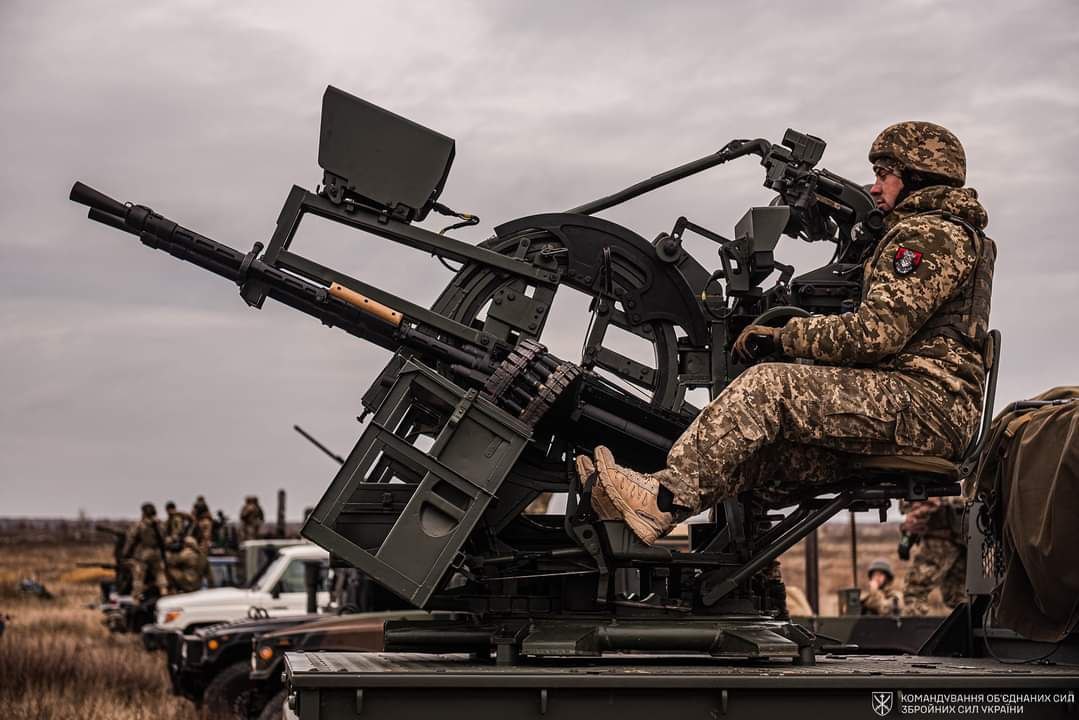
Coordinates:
(601, 503)
(635, 496)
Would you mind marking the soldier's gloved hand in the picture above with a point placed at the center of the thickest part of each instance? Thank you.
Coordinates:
(755, 342)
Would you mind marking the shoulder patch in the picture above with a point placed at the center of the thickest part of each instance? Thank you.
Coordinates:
(906, 261)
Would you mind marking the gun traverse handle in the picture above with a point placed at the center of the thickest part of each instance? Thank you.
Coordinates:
(366, 304)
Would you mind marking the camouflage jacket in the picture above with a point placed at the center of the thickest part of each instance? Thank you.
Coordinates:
(144, 535)
(882, 601)
(922, 262)
(251, 514)
(176, 523)
(935, 517)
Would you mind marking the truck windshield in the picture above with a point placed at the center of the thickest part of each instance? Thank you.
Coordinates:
(261, 573)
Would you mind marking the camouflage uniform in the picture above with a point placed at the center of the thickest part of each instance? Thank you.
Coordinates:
(177, 523)
(144, 548)
(251, 519)
(940, 559)
(911, 377)
(885, 599)
(189, 567)
(204, 532)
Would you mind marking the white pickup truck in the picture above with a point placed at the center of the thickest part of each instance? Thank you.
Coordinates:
(279, 590)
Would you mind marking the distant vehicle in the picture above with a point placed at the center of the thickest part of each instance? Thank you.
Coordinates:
(214, 666)
(360, 632)
(278, 589)
(203, 665)
(123, 615)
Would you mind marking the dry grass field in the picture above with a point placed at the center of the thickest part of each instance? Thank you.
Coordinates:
(57, 661)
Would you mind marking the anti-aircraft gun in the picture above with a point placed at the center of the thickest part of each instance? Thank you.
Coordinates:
(473, 418)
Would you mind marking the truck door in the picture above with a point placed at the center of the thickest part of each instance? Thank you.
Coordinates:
(292, 594)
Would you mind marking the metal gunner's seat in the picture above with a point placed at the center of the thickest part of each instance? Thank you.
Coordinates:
(871, 483)
(876, 468)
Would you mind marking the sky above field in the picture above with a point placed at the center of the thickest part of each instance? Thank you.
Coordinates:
(129, 376)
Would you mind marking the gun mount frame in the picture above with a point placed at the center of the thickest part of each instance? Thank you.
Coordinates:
(473, 418)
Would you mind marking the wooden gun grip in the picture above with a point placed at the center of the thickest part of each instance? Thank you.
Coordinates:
(369, 306)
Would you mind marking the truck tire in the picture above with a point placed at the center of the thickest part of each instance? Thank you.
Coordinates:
(274, 709)
(227, 691)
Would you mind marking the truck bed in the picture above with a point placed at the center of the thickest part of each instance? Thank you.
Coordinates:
(338, 685)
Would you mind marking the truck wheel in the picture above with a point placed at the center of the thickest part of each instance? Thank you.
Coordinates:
(227, 691)
(274, 709)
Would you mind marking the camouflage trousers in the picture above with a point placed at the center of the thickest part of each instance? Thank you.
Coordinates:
(783, 425)
(250, 531)
(147, 568)
(938, 562)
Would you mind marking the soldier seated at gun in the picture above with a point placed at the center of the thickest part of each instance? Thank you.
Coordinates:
(903, 374)
(881, 597)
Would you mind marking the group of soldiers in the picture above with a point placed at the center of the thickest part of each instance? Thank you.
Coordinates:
(939, 561)
(173, 555)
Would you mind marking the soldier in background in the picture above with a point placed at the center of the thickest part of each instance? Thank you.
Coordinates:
(251, 518)
(177, 523)
(200, 507)
(189, 568)
(940, 560)
(881, 597)
(204, 531)
(145, 550)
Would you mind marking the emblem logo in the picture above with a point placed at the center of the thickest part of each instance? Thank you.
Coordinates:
(906, 261)
(882, 702)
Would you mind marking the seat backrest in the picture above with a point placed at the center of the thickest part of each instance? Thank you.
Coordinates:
(992, 366)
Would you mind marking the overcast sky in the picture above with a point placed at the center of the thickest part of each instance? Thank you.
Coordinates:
(129, 376)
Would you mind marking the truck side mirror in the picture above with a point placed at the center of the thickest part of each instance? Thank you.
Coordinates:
(275, 592)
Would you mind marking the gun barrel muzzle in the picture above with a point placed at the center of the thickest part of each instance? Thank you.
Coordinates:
(107, 218)
(86, 195)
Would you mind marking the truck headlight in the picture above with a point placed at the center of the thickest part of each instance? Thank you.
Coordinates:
(171, 616)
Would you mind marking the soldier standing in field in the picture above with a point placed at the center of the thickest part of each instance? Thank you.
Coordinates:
(200, 507)
(177, 523)
(881, 597)
(940, 560)
(903, 374)
(145, 550)
(251, 518)
(204, 531)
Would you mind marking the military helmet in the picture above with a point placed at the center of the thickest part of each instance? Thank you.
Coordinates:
(882, 565)
(170, 506)
(148, 509)
(923, 147)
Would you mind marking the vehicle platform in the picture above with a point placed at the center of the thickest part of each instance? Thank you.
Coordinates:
(328, 686)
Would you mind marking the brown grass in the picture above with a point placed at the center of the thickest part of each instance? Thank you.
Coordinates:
(86, 576)
(56, 658)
